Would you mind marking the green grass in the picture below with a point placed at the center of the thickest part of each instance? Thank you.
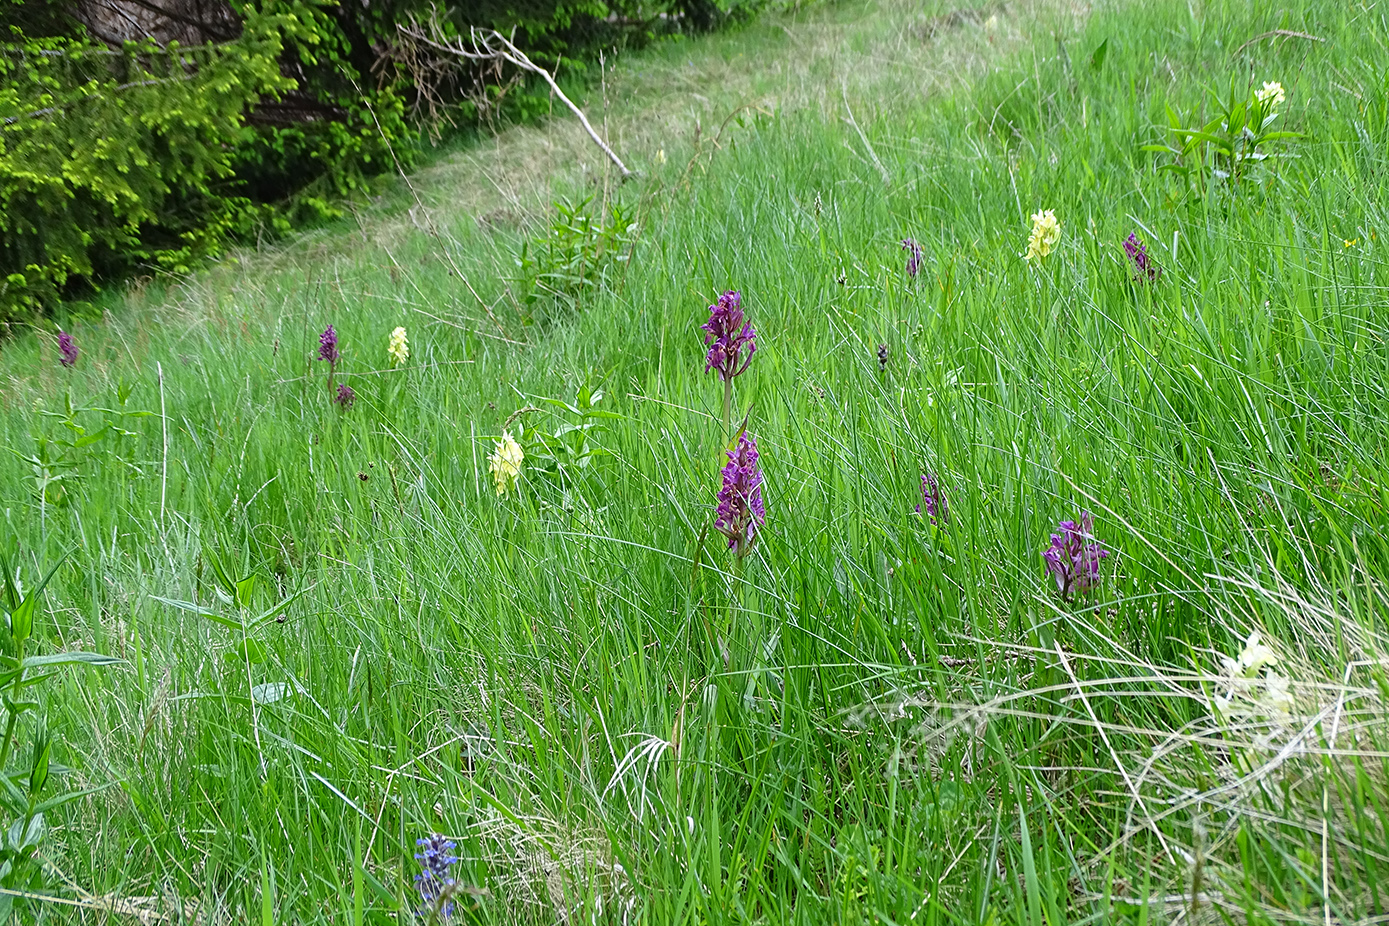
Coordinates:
(868, 719)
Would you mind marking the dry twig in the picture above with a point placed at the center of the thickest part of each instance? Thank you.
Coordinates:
(1281, 34)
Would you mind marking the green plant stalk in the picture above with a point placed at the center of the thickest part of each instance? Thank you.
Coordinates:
(13, 720)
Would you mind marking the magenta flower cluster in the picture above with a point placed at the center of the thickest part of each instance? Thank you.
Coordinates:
(345, 396)
(1073, 559)
(913, 256)
(67, 349)
(740, 513)
(1138, 253)
(934, 499)
(731, 340)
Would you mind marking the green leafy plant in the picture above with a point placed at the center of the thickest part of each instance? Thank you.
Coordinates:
(1232, 144)
(578, 252)
(22, 789)
(234, 591)
(62, 447)
(559, 452)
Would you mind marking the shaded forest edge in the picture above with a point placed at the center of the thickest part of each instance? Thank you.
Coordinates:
(147, 135)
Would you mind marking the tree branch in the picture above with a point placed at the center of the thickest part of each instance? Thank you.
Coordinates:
(489, 45)
(152, 82)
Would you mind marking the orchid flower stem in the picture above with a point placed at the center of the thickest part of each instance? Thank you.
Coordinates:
(735, 600)
(727, 408)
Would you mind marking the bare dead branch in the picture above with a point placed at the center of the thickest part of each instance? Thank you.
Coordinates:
(487, 47)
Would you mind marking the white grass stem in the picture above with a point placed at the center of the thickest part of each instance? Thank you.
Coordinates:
(1118, 763)
(1326, 804)
(477, 474)
(164, 462)
(868, 146)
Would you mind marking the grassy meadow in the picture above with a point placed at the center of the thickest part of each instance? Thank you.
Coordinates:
(336, 637)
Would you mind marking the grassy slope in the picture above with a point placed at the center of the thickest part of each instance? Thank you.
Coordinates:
(542, 675)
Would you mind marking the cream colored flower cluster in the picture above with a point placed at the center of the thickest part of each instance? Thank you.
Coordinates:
(1272, 90)
(505, 463)
(1250, 688)
(1046, 232)
(399, 347)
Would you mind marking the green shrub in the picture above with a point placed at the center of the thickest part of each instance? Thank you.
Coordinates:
(115, 156)
(580, 250)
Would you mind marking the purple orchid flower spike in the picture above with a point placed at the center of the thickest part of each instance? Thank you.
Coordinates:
(913, 256)
(1143, 264)
(731, 340)
(740, 512)
(937, 511)
(1073, 559)
(328, 346)
(67, 349)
